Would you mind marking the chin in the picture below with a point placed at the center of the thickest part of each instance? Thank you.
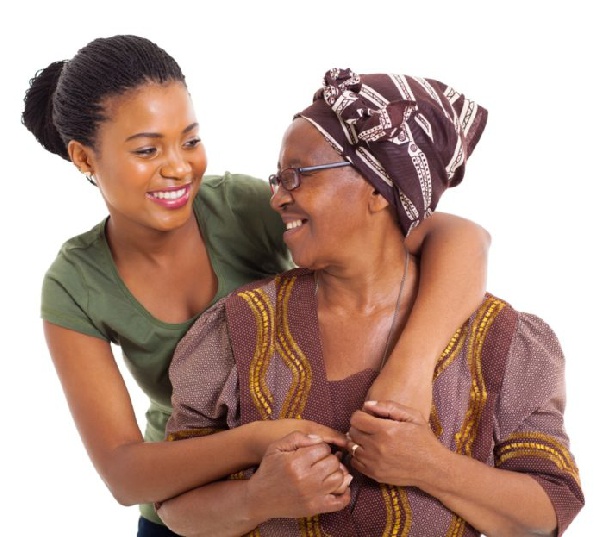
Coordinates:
(171, 224)
(307, 263)
(301, 261)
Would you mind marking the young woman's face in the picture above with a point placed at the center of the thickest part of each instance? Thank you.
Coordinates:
(149, 159)
(326, 215)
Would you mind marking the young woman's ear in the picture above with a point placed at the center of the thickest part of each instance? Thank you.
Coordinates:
(81, 156)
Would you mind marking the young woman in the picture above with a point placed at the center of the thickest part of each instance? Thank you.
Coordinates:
(174, 242)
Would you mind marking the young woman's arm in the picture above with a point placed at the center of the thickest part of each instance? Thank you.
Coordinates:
(136, 471)
(453, 271)
(298, 477)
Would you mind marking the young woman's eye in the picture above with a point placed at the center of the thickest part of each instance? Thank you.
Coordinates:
(194, 142)
(145, 151)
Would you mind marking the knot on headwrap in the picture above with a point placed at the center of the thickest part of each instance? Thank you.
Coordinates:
(410, 137)
(341, 91)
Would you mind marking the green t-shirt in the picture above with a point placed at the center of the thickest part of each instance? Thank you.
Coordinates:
(83, 291)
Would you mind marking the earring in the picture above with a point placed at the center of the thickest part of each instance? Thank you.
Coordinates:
(90, 177)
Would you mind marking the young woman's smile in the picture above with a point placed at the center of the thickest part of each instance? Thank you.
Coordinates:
(172, 198)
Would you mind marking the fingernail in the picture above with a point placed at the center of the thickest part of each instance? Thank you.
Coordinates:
(370, 403)
(314, 437)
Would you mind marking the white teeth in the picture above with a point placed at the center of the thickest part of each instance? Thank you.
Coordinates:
(171, 195)
(292, 225)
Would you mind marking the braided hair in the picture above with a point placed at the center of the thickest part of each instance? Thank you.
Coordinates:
(65, 101)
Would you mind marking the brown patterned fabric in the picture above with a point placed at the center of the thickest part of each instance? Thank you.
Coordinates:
(498, 395)
(409, 136)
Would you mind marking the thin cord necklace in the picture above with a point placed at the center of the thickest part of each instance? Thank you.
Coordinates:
(384, 356)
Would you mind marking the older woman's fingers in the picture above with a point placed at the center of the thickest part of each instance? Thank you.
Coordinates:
(392, 410)
(296, 440)
(329, 435)
(370, 422)
(344, 484)
(353, 448)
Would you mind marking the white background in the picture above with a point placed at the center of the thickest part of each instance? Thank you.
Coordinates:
(532, 182)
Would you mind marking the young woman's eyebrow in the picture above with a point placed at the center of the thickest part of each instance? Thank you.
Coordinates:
(189, 128)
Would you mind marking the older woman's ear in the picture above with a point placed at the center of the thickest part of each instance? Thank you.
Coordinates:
(376, 201)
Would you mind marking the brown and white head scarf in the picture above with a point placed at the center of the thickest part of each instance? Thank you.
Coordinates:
(410, 137)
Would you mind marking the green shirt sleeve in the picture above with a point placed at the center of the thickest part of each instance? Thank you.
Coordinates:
(66, 291)
(63, 306)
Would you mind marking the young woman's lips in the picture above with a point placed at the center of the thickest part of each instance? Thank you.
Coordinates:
(171, 198)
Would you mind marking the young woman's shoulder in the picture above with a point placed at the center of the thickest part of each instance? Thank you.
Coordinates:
(82, 270)
(237, 199)
(236, 218)
(235, 189)
(84, 249)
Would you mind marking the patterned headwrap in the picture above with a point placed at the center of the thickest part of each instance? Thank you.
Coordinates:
(410, 137)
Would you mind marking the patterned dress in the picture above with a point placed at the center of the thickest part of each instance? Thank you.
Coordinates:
(498, 389)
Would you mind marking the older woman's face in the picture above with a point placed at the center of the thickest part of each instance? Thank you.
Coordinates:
(326, 215)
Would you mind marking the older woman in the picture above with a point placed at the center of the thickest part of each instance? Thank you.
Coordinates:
(359, 169)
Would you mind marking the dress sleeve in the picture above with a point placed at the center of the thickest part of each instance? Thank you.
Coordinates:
(530, 433)
(204, 378)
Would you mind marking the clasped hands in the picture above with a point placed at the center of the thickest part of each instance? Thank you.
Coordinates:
(301, 476)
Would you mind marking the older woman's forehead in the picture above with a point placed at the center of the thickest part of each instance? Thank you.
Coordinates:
(302, 139)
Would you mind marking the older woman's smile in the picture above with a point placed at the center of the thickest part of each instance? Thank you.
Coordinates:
(293, 224)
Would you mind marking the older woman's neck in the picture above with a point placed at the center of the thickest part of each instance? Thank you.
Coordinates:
(369, 281)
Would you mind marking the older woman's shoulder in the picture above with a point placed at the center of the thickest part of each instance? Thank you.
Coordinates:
(524, 326)
(519, 351)
(510, 340)
(497, 312)
(292, 275)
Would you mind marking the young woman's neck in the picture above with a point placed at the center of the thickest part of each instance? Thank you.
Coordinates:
(126, 240)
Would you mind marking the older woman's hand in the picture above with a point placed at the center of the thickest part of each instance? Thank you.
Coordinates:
(299, 477)
(395, 444)
(403, 383)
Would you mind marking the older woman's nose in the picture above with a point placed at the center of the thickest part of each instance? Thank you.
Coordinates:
(281, 199)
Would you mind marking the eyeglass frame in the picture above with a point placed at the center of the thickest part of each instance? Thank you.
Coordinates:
(275, 179)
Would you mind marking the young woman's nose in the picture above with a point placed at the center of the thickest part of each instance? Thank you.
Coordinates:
(175, 166)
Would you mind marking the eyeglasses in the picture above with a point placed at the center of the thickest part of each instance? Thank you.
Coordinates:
(290, 178)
